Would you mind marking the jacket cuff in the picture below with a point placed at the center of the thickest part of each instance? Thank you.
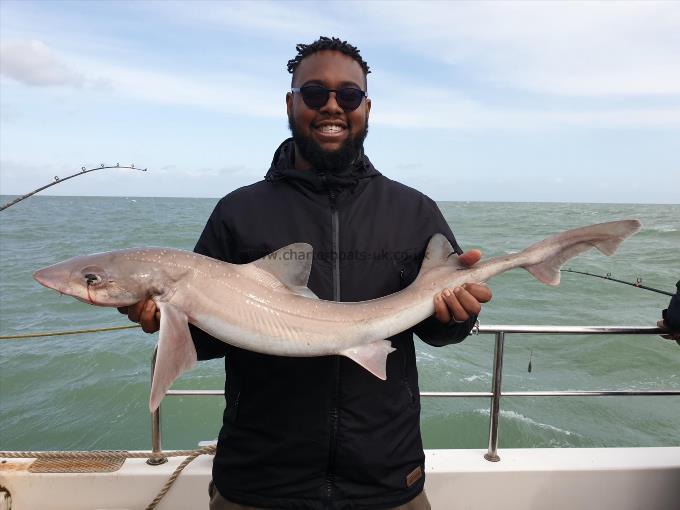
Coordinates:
(433, 332)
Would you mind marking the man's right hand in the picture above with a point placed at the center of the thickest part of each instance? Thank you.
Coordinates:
(145, 313)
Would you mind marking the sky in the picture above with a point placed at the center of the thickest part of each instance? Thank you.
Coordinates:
(480, 101)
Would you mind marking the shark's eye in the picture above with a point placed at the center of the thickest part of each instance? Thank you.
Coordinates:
(92, 279)
(93, 275)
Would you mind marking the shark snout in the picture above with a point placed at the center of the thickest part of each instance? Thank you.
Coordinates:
(42, 276)
(60, 278)
(53, 277)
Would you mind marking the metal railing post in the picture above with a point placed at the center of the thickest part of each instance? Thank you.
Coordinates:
(492, 455)
(156, 460)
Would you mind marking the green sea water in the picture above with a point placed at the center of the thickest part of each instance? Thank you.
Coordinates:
(91, 391)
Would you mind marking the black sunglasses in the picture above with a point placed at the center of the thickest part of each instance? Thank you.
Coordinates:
(316, 96)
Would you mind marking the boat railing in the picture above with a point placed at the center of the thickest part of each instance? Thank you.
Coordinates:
(499, 332)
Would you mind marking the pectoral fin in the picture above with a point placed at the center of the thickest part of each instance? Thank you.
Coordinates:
(176, 352)
(373, 356)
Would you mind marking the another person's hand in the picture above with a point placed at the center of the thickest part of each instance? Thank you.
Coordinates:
(145, 313)
(672, 335)
(459, 303)
(671, 317)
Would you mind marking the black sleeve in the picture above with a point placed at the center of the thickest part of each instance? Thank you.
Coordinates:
(214, 242)
(671, 315)
(431, 331)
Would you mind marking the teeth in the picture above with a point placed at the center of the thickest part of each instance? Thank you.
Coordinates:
(330, 129)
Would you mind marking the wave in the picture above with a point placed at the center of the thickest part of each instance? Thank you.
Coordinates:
(485, 376)
(520, 417)
(664, 228)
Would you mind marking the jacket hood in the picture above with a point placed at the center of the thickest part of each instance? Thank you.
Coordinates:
(282, 168)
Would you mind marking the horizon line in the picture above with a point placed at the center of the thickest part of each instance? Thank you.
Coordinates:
(12, 196)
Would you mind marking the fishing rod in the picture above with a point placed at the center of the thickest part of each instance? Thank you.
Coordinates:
(638, 281)
(57, 180)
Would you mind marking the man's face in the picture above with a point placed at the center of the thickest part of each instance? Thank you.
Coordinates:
(321, 146)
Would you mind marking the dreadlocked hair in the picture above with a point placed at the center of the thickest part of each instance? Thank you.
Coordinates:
(326, 43)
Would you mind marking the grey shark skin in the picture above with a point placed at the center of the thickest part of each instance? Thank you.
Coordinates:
(266, 306)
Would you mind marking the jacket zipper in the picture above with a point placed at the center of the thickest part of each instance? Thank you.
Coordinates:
(334, 413)
(335, 227)
(411, 395)
(402, 284)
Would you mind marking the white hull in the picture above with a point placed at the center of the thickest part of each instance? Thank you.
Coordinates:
(526, 479)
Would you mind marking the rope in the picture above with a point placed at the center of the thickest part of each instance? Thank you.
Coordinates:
(73, 332)
(173, 477)
(117, 454)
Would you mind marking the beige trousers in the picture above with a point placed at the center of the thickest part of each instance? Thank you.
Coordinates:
(217, 502)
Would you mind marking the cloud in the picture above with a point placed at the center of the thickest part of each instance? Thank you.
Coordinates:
(450, 109)
(566, 48)
(562, 48)
(275, 19)
(231, 93)
(555, 49)
(33, 63)
(250, 95)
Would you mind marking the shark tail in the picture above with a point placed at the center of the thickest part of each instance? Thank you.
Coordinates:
(546, 257)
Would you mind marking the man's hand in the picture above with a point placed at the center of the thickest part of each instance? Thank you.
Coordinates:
(459, 303)
(145, 313)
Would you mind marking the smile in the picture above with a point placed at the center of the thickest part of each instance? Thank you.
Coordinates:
(330, 129)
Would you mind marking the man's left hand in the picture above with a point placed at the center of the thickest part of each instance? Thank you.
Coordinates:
(459, 303)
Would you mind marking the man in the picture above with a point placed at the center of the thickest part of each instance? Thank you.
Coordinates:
(324, 433)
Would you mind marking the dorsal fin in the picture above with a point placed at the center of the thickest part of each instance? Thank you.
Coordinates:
(290, 265)
(439, 252)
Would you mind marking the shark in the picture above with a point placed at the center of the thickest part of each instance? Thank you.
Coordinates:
(266, 306)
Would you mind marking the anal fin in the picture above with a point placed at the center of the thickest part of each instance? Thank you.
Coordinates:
(175, 352)
(373, 356)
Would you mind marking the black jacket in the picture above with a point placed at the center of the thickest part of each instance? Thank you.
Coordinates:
(323, 433)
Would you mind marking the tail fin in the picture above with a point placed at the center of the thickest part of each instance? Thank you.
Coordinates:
(547, 256)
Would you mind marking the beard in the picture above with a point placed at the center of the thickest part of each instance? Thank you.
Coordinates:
(329, 161)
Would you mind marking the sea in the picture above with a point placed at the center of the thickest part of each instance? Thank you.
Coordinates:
(90, 391)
